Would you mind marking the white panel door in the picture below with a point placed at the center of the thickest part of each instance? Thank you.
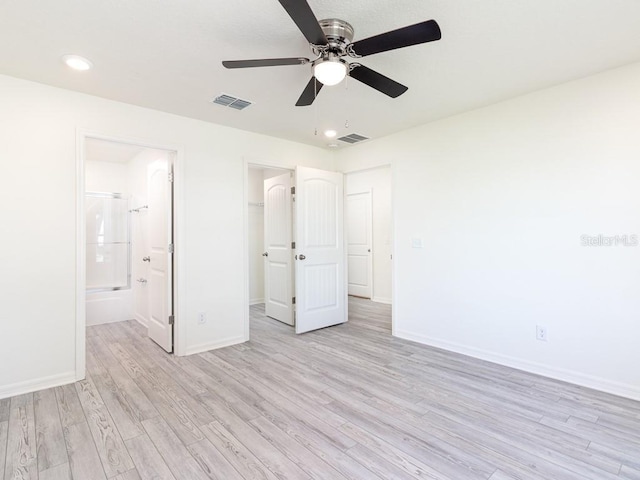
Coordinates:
(359, 244)
(321, 293)
(160, 267)
(278, 269)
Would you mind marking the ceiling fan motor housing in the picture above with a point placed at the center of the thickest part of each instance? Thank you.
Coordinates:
(339, 34)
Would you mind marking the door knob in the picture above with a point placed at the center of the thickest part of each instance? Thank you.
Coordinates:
(146, 259)
(265, 254)
(142, 280)
(301, 257)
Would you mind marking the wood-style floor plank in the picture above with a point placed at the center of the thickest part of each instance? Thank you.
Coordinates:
(61, 472)
(174, 453)
(114, 455)
(69, 406)
(84, 459)
(5, 405)
(50, 444)
(149, 463)
(130, 475)
(212, 462)
(4, 430)
(21, 460)
(347, 402)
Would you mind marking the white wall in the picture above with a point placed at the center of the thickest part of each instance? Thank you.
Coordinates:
(501, 197)
(38, 126)
(103, 176)
(378, 180)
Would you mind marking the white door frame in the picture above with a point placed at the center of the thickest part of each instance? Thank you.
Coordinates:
(178, 215)
(393, 243)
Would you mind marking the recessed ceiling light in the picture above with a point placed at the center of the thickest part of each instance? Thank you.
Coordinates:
(77, 62)
(330, 133)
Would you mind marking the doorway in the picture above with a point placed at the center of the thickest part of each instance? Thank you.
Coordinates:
(298, 250)
(270, 241)
(126, 237)
(369, 234)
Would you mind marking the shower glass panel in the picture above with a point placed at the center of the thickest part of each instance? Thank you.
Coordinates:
(108, 242)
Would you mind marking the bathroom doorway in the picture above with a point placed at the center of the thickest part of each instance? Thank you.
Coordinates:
(127, 224)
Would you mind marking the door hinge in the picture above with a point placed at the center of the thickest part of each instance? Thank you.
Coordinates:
(171, 248)
(293, 190)
(172, 319)
(293, 300)
(171, 176)
(293, 245)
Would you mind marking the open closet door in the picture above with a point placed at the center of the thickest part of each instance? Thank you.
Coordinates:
(321, 293)
(160, 191)
(278, 270)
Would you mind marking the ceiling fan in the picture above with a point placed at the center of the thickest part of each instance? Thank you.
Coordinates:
(331, 40)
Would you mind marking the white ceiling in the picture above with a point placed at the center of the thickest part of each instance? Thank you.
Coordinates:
(167, 54)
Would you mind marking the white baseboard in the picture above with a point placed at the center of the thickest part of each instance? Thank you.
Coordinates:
(29, 386)
(569, 376)
(104, 322)
(386, 301)
(204, 347)
(141, 320)
(256, 301)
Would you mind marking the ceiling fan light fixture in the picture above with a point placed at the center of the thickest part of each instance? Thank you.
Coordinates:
(330, 71)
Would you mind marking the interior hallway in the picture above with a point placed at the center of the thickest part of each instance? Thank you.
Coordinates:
(347, 402)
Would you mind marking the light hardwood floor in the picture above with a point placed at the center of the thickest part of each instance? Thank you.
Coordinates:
(347, 402)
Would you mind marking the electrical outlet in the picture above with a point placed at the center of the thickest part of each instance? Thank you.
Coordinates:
(541, 333)
(202, 318)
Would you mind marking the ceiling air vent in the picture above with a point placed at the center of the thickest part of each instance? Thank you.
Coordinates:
(353, 138)
(233, 102)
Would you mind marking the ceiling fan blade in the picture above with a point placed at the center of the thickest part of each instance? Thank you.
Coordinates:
(310, 93)
(301, 13)
(265, 62)
(403, 37)
(378, 81)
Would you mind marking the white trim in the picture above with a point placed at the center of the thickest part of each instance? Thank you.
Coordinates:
(38, 384)
(204, 347)
(141, 320)
(394, 289)
(570, 376)
(81, 260)
(386, 301)
(245, 241)
(180, 333)
(179, 215)
(256, 301)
